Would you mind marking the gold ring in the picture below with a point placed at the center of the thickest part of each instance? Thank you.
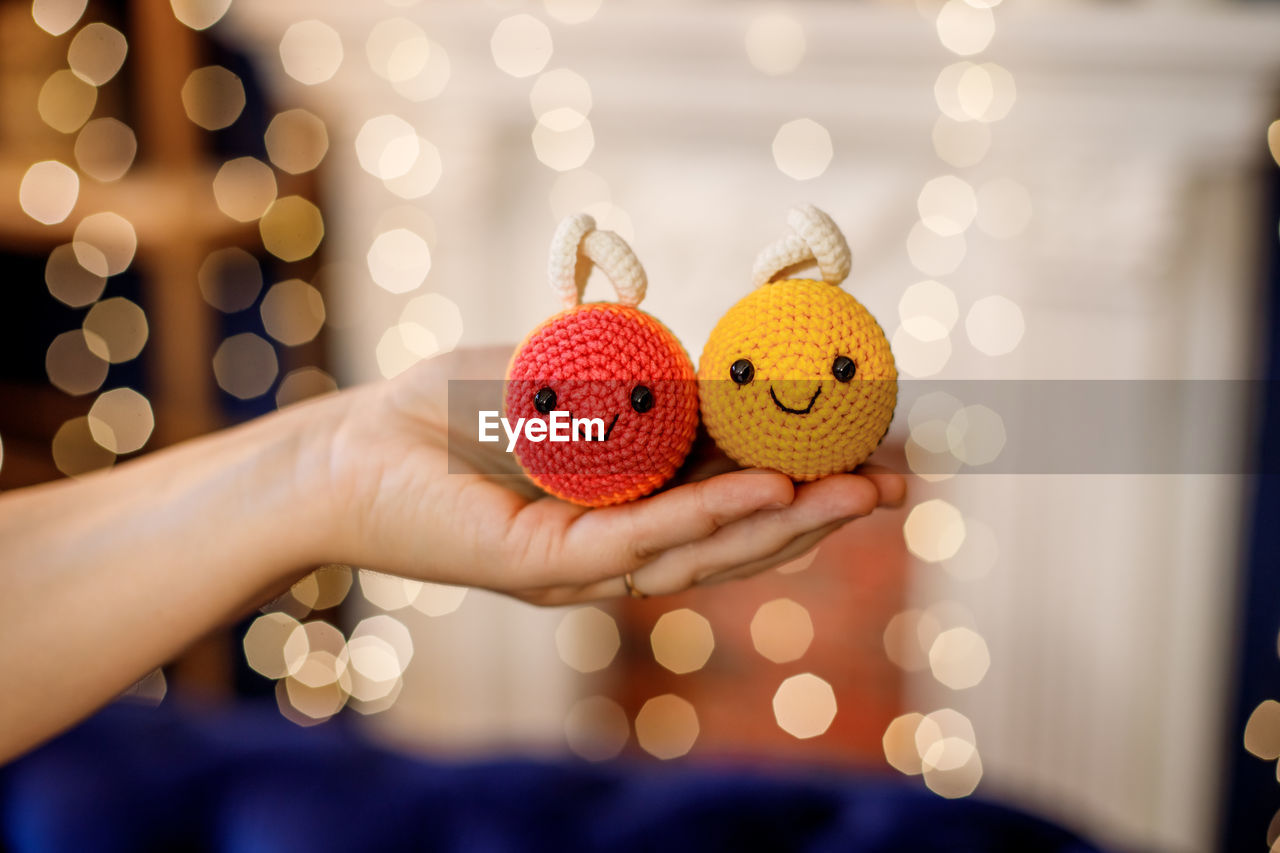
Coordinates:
(631, 587)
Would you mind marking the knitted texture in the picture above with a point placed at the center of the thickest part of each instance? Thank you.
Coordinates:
(792, 332)
(593, 357)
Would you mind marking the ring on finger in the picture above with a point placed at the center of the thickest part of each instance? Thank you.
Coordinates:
(630, 584)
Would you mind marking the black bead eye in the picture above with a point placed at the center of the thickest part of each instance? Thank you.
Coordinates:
(545, 400)
(641, 399)
(741, 371)
(843, 368)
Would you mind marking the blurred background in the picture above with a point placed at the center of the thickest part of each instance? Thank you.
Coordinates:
(210, 209)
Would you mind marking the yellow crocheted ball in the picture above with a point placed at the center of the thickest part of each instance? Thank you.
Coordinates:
(798, 377)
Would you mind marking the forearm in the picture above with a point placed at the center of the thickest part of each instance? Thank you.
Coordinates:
(107, 577)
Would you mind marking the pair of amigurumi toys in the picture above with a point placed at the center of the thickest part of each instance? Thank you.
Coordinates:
(797, 376)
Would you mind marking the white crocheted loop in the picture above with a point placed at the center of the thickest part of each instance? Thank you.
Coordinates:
(814, 238)
(577, 238)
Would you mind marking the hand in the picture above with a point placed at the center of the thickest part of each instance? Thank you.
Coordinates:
(406, 506)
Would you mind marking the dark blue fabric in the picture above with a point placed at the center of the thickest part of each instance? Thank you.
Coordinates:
(245, 780)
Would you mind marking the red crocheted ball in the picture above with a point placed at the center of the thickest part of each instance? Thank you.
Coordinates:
(617, 364)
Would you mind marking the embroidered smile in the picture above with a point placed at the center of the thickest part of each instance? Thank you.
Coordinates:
(792, 411)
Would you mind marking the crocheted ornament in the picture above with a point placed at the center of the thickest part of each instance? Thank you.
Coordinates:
(607, 361)
(798, 376)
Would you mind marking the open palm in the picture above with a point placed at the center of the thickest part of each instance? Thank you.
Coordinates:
(417, 504)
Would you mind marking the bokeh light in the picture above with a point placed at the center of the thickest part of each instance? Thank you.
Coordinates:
(49, 191)
(960, 143)
(902, 639)
(104, 243)
(563, 139)
(199, 14)
(959, 658)
(96, 53)
(213, 97)
(667, 726)
(75, 453)
(57, 16)
(292, 228)
(802, 149)
(438, 599)
(804, 706)
(521, 45)
(399, 260)
(387, 591)
(296, 141)
(932, 253)
(244, 188)
(245, 366)
(775, 43)
(436, 314)
(919, 358)
(976, 435)
(324, 660)
(558, 89)
(947, 205)
(899, 743)
(431, 81)
(374, 636)
(1262, 731)
(72, 367)
(69, 282)
(934, 530)
(116, 330)
(596, 728)
(105, 148)
(952, 767)
(230, 279)
(928, 310)
(292, 312)
(572, 11)
(402, 346)
(121, 421)
(311, 52)
(965, 29)
(323, 588)
(587, 639)
(265, 643)
(995, 325)
(303, 384)
(397, 49)
(387, 146)
(65, 101)
(781, 630)
(422, 176)
(682, 641)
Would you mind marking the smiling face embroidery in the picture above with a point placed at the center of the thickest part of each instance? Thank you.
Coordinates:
(798, 377)
(618, 365)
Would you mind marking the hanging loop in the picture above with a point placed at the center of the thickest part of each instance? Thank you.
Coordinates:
(576, 239)
(813, 238)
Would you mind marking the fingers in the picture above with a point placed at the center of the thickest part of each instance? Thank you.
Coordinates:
(818, 508)
(608, 542)
(891, 485)
(793, 550)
